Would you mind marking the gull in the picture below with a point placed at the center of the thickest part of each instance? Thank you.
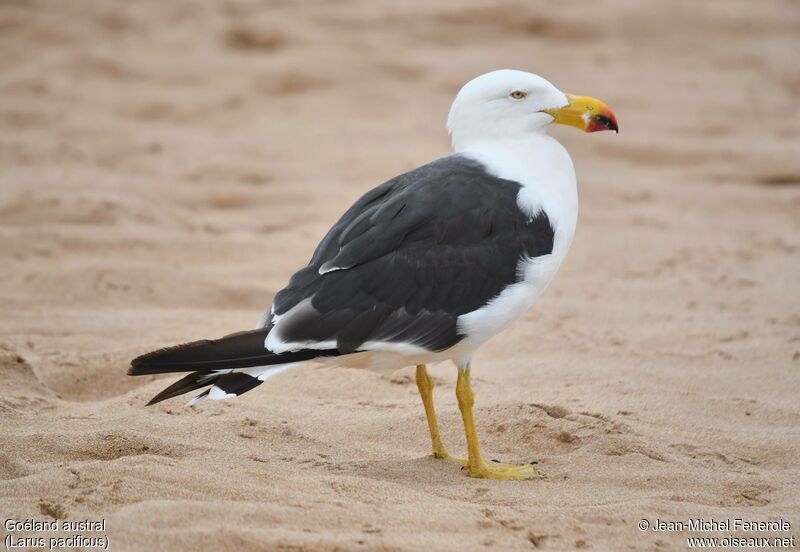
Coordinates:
(426, 267)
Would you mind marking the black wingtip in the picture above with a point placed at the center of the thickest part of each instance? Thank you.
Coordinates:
(136, 368)
(164, 359)
(234, 351)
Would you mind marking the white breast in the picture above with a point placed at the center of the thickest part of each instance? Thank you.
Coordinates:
(545, 171)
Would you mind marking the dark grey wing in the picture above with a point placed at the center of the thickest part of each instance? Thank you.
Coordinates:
(411, 256)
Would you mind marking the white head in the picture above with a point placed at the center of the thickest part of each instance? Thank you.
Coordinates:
(509, 104)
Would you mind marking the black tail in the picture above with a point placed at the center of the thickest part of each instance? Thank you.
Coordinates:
(238, 350)
(211, 362)
(193, 381)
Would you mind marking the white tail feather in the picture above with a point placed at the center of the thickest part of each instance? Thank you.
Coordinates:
(261, 372)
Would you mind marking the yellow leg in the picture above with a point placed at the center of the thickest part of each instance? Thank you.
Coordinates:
(425, 385)
(476, 466)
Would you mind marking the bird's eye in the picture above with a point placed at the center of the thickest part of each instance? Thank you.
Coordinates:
(518, 95)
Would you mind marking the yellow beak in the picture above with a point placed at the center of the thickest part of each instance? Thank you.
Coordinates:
(585, 113)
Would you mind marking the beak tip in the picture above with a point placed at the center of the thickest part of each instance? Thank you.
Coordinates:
(603, 122)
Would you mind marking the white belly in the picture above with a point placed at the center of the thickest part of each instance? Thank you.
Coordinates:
(477, 326)
(481, 324)
(545, 171)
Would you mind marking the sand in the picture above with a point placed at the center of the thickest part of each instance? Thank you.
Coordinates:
(166, 166)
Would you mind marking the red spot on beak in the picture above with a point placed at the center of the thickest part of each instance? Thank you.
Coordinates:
(604, 120)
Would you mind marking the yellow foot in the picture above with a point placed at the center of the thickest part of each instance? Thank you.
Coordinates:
(497, 470)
